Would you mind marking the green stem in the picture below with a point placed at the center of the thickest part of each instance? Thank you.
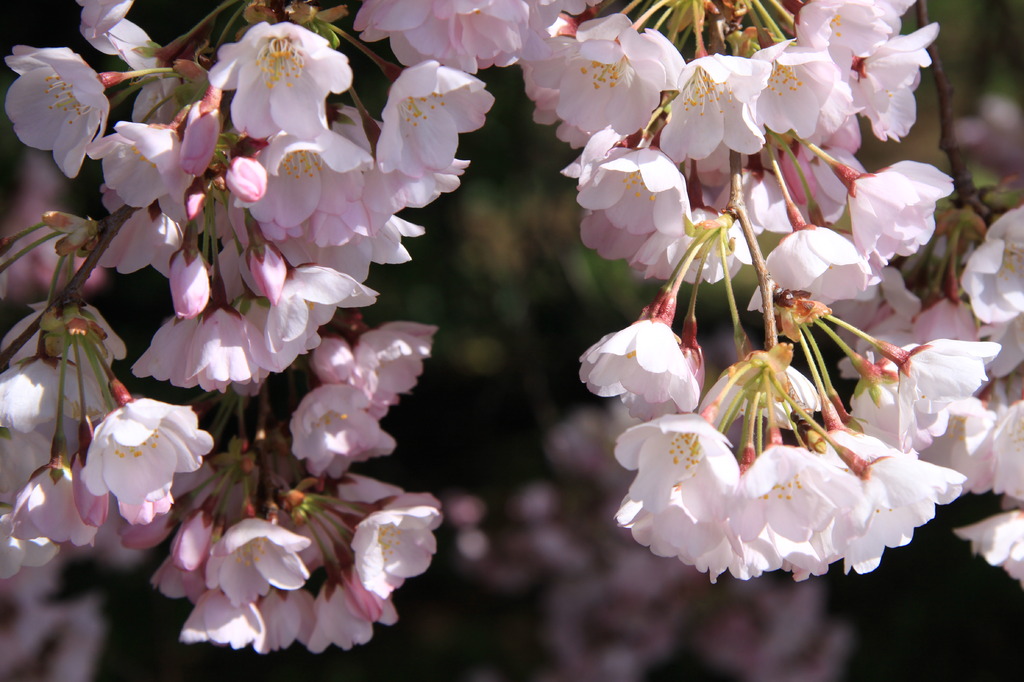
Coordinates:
(850, 328)
(102, 376)
(821, 363)
(739, 336)
(639, 23)
(13, 259)
(818, 383)
(231, 22)
(7, 242)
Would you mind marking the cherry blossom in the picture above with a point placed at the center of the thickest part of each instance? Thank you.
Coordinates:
(254, 555)
(428, 106)
(56, 103)
(993, 275)
(396, 542)
(137, 449)
(281, 73)
(714, 107)
(643, 360)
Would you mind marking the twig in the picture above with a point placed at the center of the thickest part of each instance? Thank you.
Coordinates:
(738, 208)
(107, 230)
(963, 182)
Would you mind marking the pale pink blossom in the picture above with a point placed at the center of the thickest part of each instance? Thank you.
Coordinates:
(137, 449)
(99, 16)
(15, 553)
(643, 360)
(465, 36)
(428, 106)
(331, 428)
(254, 555)
(639, 191)
(714, 107)
(793, 492)
(681, 453)
(610, 75)
(305, 174)
(144, 513)
(1000, 540)
(148, 237)
(215, 619)
(967, 445)
(57, 103)
(191, 545)
(805, 92)
(281, 73)
(847, 28)
(396, 542)
(821, 262)
(885, 81)
(21, 453)
(289, 616)
(1008, 452)
(337, 624)
(212, 350)
(994, 275)
(45, 507)
(269, 272)
(29, 395)
(142, 163)
(893, 211)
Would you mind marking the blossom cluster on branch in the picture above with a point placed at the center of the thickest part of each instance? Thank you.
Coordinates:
(250, 173)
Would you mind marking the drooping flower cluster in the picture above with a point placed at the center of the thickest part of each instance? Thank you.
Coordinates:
(772, 467)
(263, 197)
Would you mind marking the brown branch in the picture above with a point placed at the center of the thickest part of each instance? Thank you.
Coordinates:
(107, 230)
(963, 182)
(738, 209)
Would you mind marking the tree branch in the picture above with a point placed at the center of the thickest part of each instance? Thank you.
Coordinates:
(963, 183)
(738, 208)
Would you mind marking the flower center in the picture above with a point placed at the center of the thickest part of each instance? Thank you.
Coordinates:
(251, 552)
(389, 538)
(302, 163)
(279, 59)
(416, 109)
(64, 97)
(605, 74)
(701, 90)
(685, 449)
(783, 78)
(138, 450)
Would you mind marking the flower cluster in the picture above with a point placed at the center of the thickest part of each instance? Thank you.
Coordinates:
(685, 163)
(253, 178)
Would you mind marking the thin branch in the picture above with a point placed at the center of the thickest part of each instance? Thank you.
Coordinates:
(963, 182)
(107, 230)
(738, 208)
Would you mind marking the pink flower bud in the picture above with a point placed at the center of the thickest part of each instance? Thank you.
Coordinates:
(190, 285)
(191, 545)
(92, 508)
(269, 271)
(195, 198)
(199, 141)
(247, 179)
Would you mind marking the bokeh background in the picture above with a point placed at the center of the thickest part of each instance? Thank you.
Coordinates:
(532, 579)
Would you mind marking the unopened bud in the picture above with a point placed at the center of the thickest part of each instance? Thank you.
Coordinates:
(202, 130)
(247, 179)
